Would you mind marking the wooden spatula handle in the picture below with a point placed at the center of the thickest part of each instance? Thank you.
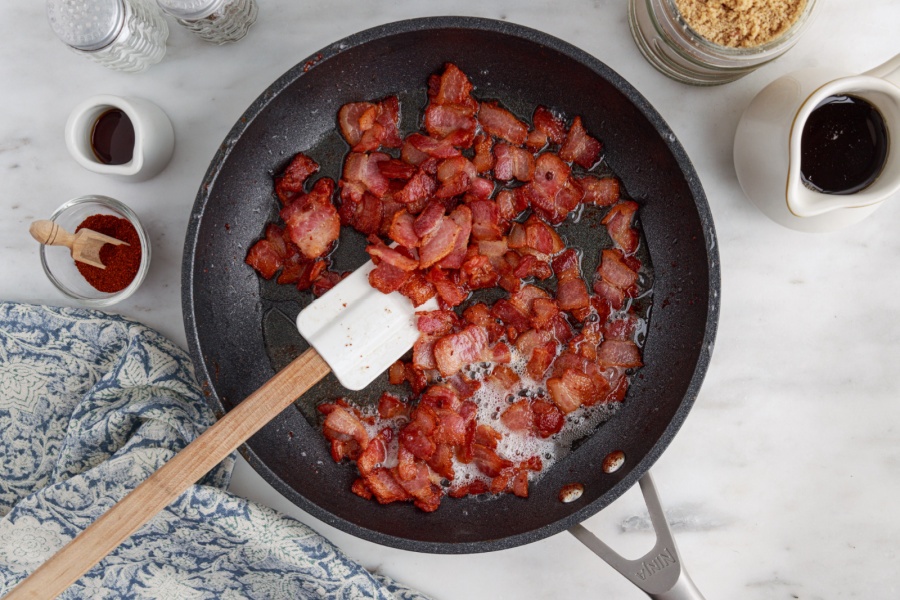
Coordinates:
(51, 234)
(172, 479)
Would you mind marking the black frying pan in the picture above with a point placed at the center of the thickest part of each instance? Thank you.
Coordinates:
(240, 328)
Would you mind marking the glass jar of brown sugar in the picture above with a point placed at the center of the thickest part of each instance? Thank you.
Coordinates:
(671, 41)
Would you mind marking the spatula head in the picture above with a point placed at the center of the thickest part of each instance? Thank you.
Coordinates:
(359, 331)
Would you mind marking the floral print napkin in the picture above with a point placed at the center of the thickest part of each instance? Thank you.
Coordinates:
(90, 405)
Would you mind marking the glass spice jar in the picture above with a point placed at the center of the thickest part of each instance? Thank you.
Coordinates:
(216, 21)
(676, 50)
(125, 35)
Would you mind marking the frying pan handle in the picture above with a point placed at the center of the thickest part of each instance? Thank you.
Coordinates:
(660, 573)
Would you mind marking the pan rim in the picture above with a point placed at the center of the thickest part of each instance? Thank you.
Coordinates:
(570, 51)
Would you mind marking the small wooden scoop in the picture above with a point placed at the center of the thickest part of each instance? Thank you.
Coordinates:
(85, 245)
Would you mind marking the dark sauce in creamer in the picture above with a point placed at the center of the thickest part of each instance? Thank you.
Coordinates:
(112, 138)
(843, 146)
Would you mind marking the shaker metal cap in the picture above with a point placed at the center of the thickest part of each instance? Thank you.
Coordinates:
(86, 24)
(190, 10)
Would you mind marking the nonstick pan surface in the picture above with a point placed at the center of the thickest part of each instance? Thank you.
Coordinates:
(240, 328)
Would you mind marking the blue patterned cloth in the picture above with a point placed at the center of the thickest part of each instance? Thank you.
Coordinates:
(90, 405)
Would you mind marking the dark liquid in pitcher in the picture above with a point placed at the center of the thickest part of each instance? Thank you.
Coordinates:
(843, 147)
(112, 138)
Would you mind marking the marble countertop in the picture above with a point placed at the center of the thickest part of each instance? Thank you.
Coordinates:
(783, 482)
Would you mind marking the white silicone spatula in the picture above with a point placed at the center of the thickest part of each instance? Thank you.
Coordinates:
(355, 331)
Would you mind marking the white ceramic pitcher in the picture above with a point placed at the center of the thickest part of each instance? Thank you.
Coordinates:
(767, 147)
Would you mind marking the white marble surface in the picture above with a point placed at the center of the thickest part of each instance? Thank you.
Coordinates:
(784, 481)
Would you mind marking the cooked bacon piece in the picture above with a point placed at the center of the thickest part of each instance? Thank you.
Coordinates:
(549, 124)
(403, 230)
(320, 193)
(541, 358)
(548, 419)
(462, 216)
(360, 488)
(289, 184)
(375, 452)
(602, 192)
(449, 290)
(342, 425)
(619, 353)
(571, 291)
(618, 223)
(488, 461)
(505, 311)
(579, 146)
(385, 487)
(325, 280)
(480, 314)
(520, 484)
(437, 322)
(503, 377)
(439, 243)
(608, 297)
(396, 169)
(441, 462)
(484, 158)
(365, 215)
(501, 123)
(361, 173)
(455, 351)
(383, 254)
(426, 495)
(621, 328)
(423, 352)
(315, 228)
(450, 123)
(455, 175)
(429, 219)
(479, 273)
(513, 163)
(452, 87)
(519, 416)
(390, 406)
(451, 429)
(387, 278)
(420, 187)
(498, 353)
(485, 220)
(376, 125)
(463, 386)
(418, 289)
(541, 238)
(349, 120)
(543, 312)
(571, 390)
(553, 193)
(416, 436)
(432, 147)
(264, 258)
(524, 299)
(511, 204)
(615, 271)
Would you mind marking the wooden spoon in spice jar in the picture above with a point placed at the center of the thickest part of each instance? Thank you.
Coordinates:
(85, 245)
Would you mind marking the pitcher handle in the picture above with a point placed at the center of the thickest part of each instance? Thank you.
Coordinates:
(659, 573)
(889, 71)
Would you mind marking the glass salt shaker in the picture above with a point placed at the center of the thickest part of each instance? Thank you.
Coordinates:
(216, 21)
(125, 35)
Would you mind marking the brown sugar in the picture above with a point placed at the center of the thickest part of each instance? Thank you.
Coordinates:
(740, 23)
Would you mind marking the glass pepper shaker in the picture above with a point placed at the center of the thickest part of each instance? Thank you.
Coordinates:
(217, 21)
(125, 35)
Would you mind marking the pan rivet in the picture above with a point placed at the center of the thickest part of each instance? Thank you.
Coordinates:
(571, 492)
(613, 461)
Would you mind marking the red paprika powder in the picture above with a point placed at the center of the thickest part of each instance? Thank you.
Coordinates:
(121, 261)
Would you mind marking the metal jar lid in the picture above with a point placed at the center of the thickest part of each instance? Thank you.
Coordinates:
(86, 24)
(190, 10)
